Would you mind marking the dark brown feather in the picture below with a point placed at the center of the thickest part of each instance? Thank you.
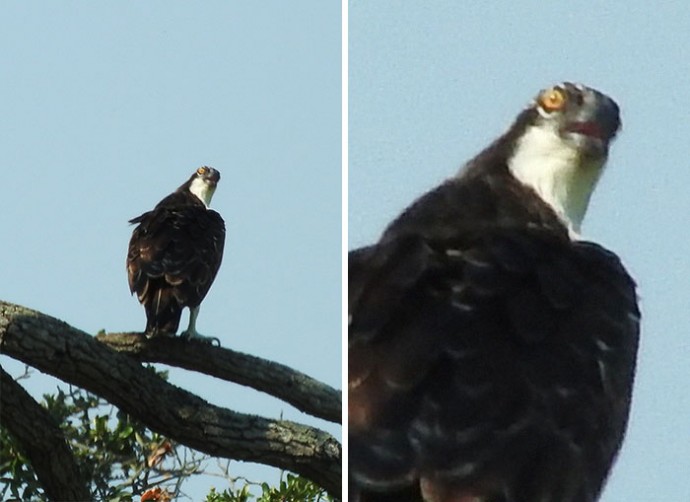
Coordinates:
(174, 255)
(465, 383)
(491, 358)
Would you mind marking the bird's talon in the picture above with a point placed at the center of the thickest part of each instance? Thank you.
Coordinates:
(187, 335)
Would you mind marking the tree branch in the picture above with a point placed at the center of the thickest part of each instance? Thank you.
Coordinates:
(303, 392)
(54, 347)
(42, 442)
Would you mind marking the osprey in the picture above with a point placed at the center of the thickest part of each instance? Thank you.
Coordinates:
(491, 350)
(174, 254)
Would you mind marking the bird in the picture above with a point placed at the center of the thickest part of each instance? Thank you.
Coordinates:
(174, 255)
(491, 348)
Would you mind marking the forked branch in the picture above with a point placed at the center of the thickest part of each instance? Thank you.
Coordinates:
(73, 356)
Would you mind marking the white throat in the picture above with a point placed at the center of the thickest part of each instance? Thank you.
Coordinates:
(555, 170)
(202, 190)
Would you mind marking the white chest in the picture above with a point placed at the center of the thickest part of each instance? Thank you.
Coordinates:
(555, 170)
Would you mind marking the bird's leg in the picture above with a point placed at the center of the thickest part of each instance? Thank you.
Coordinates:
(192, 334)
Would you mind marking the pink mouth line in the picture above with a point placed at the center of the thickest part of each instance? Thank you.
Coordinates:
(591, 129)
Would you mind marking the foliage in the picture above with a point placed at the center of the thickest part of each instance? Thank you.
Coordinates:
(123, 459)
(292, 488)
(117, 454)
(17, 478)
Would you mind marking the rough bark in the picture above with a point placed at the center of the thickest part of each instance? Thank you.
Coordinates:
(42, 441)
(301, 391)
(56, 348)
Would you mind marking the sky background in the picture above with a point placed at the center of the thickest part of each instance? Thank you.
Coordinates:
(432, 83)
(108, 107)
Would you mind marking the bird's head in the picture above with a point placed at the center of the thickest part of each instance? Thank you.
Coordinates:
(561, 145)
(585, 119)
(203, 183)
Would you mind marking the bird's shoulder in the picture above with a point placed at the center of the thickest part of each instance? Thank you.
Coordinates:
(467, 230)
(474, 202)
(178, 234)
(178, 214)
(415, 296)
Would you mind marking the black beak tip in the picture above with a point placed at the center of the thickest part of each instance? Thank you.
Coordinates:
(608, 116)
(213, 176)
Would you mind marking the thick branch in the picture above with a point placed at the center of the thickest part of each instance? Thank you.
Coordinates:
(303, 392)
(56, 348)
(42, 442)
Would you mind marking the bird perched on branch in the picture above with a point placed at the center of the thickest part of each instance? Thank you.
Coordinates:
(174, 255)
(491, 349)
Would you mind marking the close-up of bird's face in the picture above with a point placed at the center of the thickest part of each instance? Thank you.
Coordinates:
(583, 118)
(203, 183)
(562, 150)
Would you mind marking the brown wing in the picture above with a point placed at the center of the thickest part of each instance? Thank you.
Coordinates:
(497, 367)
(174, 256)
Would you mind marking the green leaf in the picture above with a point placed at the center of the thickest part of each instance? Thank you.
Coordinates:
(126, 432)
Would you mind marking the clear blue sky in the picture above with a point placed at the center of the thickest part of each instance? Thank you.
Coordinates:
(108, 107)
(431, 83)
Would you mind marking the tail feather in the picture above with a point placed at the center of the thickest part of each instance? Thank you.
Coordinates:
(163, 313)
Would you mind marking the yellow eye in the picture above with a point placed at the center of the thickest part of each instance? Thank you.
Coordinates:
(552, 99)
(201, 170)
